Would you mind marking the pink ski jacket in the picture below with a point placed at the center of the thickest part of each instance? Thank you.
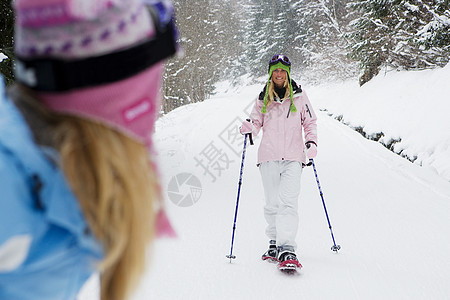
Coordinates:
(282, 129)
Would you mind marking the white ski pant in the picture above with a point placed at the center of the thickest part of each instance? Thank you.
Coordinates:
(281, 181)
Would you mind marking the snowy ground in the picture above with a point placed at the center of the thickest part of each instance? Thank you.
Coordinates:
(390, 216)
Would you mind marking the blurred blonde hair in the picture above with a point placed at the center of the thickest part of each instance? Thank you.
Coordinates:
(272, 94)
(115, 184)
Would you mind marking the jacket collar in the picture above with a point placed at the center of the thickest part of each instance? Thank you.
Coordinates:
(47, 182)
(16, 138)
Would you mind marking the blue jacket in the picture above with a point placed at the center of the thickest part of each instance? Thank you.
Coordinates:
(46, 249)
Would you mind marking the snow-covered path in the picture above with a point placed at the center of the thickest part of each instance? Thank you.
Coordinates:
(392, 218)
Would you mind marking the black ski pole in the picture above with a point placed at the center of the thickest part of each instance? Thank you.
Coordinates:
(334, 247)
(231, 256)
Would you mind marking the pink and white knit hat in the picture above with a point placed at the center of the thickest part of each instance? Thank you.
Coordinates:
(96, 59)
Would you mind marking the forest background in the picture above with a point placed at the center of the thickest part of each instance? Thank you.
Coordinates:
(327, 40)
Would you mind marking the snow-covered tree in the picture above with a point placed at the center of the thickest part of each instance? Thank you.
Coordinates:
(210, 38)
(267, 33)
(402, 34)
(433, 36)
(320, 44)
(229, 19)
(309, 32)
(224, 39)
(186, 79)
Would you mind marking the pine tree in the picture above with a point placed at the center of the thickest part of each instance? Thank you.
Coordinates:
(309, 32)
(400, 34)
(212, 42)
(228, 39)
(422, 35)
(323, 43)
(433, 37)
(188, 79)
(260, 35)
(371, 36)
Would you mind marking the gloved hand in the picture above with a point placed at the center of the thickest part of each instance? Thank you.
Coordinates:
(246, 127)
(311, 149)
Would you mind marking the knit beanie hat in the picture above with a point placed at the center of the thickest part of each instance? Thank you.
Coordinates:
(279, 61)
(98, 59)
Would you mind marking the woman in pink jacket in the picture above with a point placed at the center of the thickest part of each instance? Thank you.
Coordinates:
(282, 110)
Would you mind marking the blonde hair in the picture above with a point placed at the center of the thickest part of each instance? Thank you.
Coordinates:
(272, 94)
(116, 186)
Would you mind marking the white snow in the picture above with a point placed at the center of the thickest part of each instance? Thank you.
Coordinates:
(390, 216)
(411, 106)
(2, 57)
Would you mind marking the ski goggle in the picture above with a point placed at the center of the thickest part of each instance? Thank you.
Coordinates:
(280, 58)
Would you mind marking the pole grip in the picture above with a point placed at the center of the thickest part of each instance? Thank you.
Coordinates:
(249, 134)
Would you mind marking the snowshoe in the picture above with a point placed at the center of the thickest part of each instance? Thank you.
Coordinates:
(288, 262)
(271, 254)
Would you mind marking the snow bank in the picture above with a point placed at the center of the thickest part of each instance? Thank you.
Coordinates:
(405, 111)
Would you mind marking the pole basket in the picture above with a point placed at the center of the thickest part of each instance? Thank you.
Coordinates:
(336, 248)
(231, 257)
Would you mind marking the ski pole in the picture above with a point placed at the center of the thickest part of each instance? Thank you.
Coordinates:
(231, 256)
(334, 247)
